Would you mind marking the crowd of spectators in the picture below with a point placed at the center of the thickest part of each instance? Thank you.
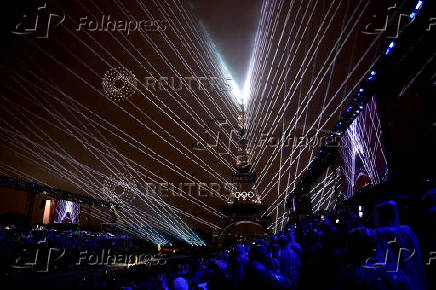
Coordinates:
(331, 251)
(340, 250)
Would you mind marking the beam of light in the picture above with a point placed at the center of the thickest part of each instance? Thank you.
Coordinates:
(173, 94)
(91, 121)
(245, 94)
(324, 194)
(278, 202)
(347, 79)
(84, 177)
(308, 97)
(100, 154)
(154, 132)
(236, 93)
(315, 84)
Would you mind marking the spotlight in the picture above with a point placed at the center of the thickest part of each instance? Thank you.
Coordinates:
(391, 46)
(415, 11)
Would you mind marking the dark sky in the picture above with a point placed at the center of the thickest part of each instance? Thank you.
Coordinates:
(232, 26)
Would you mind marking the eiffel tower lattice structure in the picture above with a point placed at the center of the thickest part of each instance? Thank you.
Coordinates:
(244, 208)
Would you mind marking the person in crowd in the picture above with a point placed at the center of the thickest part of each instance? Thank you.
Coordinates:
(181, 280)
(398, 246)
(237, 263)
(275, 255)
(260, 273)
(289, 260)
(363, 272)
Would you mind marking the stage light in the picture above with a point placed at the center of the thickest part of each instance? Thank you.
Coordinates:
(360, 211)
(390, 47)
(337, 221)
(415, 11)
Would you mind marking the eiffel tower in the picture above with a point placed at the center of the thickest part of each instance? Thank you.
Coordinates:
(244, 206)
